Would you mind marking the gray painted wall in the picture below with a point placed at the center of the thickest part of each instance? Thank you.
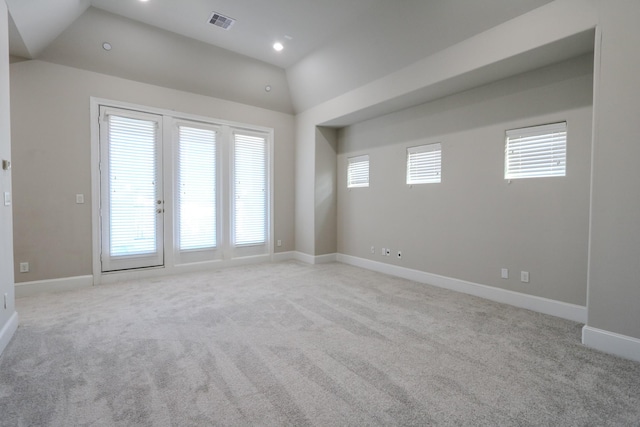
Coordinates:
(325, 190)
(52, 159)
(474, 223)
(614, 273)
(6, 240)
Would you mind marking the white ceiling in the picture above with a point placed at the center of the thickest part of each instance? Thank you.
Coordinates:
(260, 23)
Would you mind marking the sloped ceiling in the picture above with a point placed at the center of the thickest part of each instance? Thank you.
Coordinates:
(301, 25)
(331, 46)
(148, 54)
(37, 23)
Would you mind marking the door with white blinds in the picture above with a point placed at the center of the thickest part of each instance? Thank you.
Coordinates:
(132, 207)
(250, 195)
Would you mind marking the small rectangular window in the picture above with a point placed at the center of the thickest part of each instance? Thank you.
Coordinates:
(536, 151)
(358, 171)
(424, 164)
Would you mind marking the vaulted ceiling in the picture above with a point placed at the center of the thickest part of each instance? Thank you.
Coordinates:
(330, 46)
(302, 25)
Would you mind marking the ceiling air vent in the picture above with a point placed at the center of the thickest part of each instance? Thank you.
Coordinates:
(221, 21)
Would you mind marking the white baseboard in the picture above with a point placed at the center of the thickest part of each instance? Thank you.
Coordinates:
(561, 309)
(7, 331)
(318, 259)
(283, 256)
(26, 289)
(612, 343)
(190, 267)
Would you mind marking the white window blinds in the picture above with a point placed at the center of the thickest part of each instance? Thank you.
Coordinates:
(197, 188)
(358, 171)
(132, 185)
(250, 189)
(536, 151)
(424, 164)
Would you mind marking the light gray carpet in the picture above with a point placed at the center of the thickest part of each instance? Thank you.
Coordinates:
(293, 344)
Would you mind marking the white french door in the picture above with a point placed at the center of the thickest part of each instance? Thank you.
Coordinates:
(178, 191)
(131, 194)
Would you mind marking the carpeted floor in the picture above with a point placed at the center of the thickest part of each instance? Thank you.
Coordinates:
(294, 344)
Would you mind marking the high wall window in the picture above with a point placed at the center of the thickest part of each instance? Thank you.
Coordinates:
(537, 151)
(424, 164)
(358, 171)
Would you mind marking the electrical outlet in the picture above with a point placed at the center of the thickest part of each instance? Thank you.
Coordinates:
(383, 251)
(279, 242)
(373, 249)
(504, 273)
(524, 276)
(79, 199)
(24, 267)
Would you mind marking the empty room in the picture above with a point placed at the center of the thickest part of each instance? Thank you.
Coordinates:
(319, 212)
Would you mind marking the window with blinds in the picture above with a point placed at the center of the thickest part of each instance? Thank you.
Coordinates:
(424, 164)
(536, 151)
(250, 189)
(132, 185)
(358, 171)
(196, 188)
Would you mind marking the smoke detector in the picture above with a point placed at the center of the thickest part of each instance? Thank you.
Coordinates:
(219, 20)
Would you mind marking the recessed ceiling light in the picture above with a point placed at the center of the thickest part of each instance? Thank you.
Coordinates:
(278, 46)
(106, 46)
(267, 88)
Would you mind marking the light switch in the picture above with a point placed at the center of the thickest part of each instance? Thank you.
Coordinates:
(79, 199)
(7, 198)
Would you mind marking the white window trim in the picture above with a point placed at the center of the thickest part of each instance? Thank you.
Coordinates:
(175, 263)
(539, 130)
(425, 148)
(359, 159)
